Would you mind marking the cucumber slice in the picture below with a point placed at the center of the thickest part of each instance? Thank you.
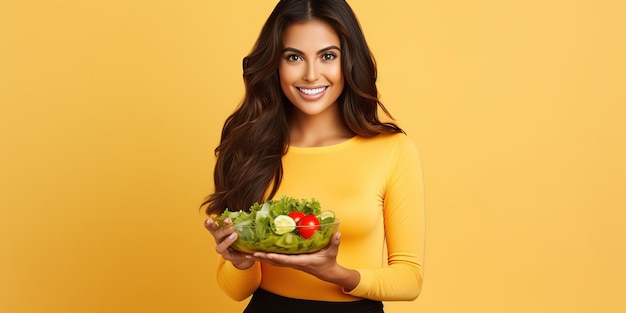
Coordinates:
(327, 217)
(284, 224)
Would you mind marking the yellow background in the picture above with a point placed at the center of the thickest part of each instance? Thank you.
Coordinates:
(109, 111)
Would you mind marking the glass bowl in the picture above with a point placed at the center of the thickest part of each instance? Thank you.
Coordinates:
(288, 243)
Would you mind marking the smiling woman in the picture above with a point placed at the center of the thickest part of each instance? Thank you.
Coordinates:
(308, 127)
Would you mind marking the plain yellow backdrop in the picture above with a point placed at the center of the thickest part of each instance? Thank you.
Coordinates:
(110, 110)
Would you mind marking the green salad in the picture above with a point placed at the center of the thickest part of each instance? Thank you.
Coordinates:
(286, 225)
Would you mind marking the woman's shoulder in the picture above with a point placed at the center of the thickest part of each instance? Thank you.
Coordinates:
(390, 140)
(391, 145)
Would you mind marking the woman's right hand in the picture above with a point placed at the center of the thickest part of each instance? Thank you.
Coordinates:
(225, 236)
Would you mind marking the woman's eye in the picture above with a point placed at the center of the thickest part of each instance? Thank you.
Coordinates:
(328, 56)
(293, 58)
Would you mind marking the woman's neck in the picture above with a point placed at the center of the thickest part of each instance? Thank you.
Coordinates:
(318, 130)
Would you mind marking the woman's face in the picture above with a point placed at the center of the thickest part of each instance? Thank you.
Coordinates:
(310, 67)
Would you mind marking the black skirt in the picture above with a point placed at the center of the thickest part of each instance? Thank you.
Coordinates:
(266, 302)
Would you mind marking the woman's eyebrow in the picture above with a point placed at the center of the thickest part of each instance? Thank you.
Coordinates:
(290, 49)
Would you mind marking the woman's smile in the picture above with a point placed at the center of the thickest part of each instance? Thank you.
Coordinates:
(312, 91)
(312, 94)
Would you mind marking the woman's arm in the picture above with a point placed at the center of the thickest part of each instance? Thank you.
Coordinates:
(237, 274)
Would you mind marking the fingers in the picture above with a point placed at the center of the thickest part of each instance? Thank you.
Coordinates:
(220, 233)
(223, 246)
(224, 236)
(333, 245)
(214, 228)
(210, 224)
(337, 237)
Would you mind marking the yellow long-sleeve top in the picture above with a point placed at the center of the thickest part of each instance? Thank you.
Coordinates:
(375, 187)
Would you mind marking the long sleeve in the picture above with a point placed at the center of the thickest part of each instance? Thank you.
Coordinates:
(237, 284)
(404, 220)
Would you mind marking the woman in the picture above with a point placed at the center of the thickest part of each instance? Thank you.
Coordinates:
(308, 128)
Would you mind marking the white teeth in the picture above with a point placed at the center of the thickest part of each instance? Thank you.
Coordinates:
(313, 91)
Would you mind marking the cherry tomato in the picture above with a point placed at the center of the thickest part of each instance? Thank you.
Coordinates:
(296, 216)
(307, 226)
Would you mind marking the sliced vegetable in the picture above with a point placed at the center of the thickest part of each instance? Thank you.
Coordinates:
(284, 224)
(327, 217)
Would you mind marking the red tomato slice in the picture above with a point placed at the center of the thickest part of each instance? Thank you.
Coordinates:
(307, 226)
(296, 216)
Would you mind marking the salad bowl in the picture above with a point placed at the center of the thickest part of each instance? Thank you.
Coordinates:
(250, 240)
(286, 225)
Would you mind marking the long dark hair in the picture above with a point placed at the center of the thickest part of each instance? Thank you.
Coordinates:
(256, 136)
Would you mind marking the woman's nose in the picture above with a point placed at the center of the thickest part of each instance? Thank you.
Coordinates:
(311, 72)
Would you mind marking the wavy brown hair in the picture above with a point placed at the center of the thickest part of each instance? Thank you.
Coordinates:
(256, 136)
